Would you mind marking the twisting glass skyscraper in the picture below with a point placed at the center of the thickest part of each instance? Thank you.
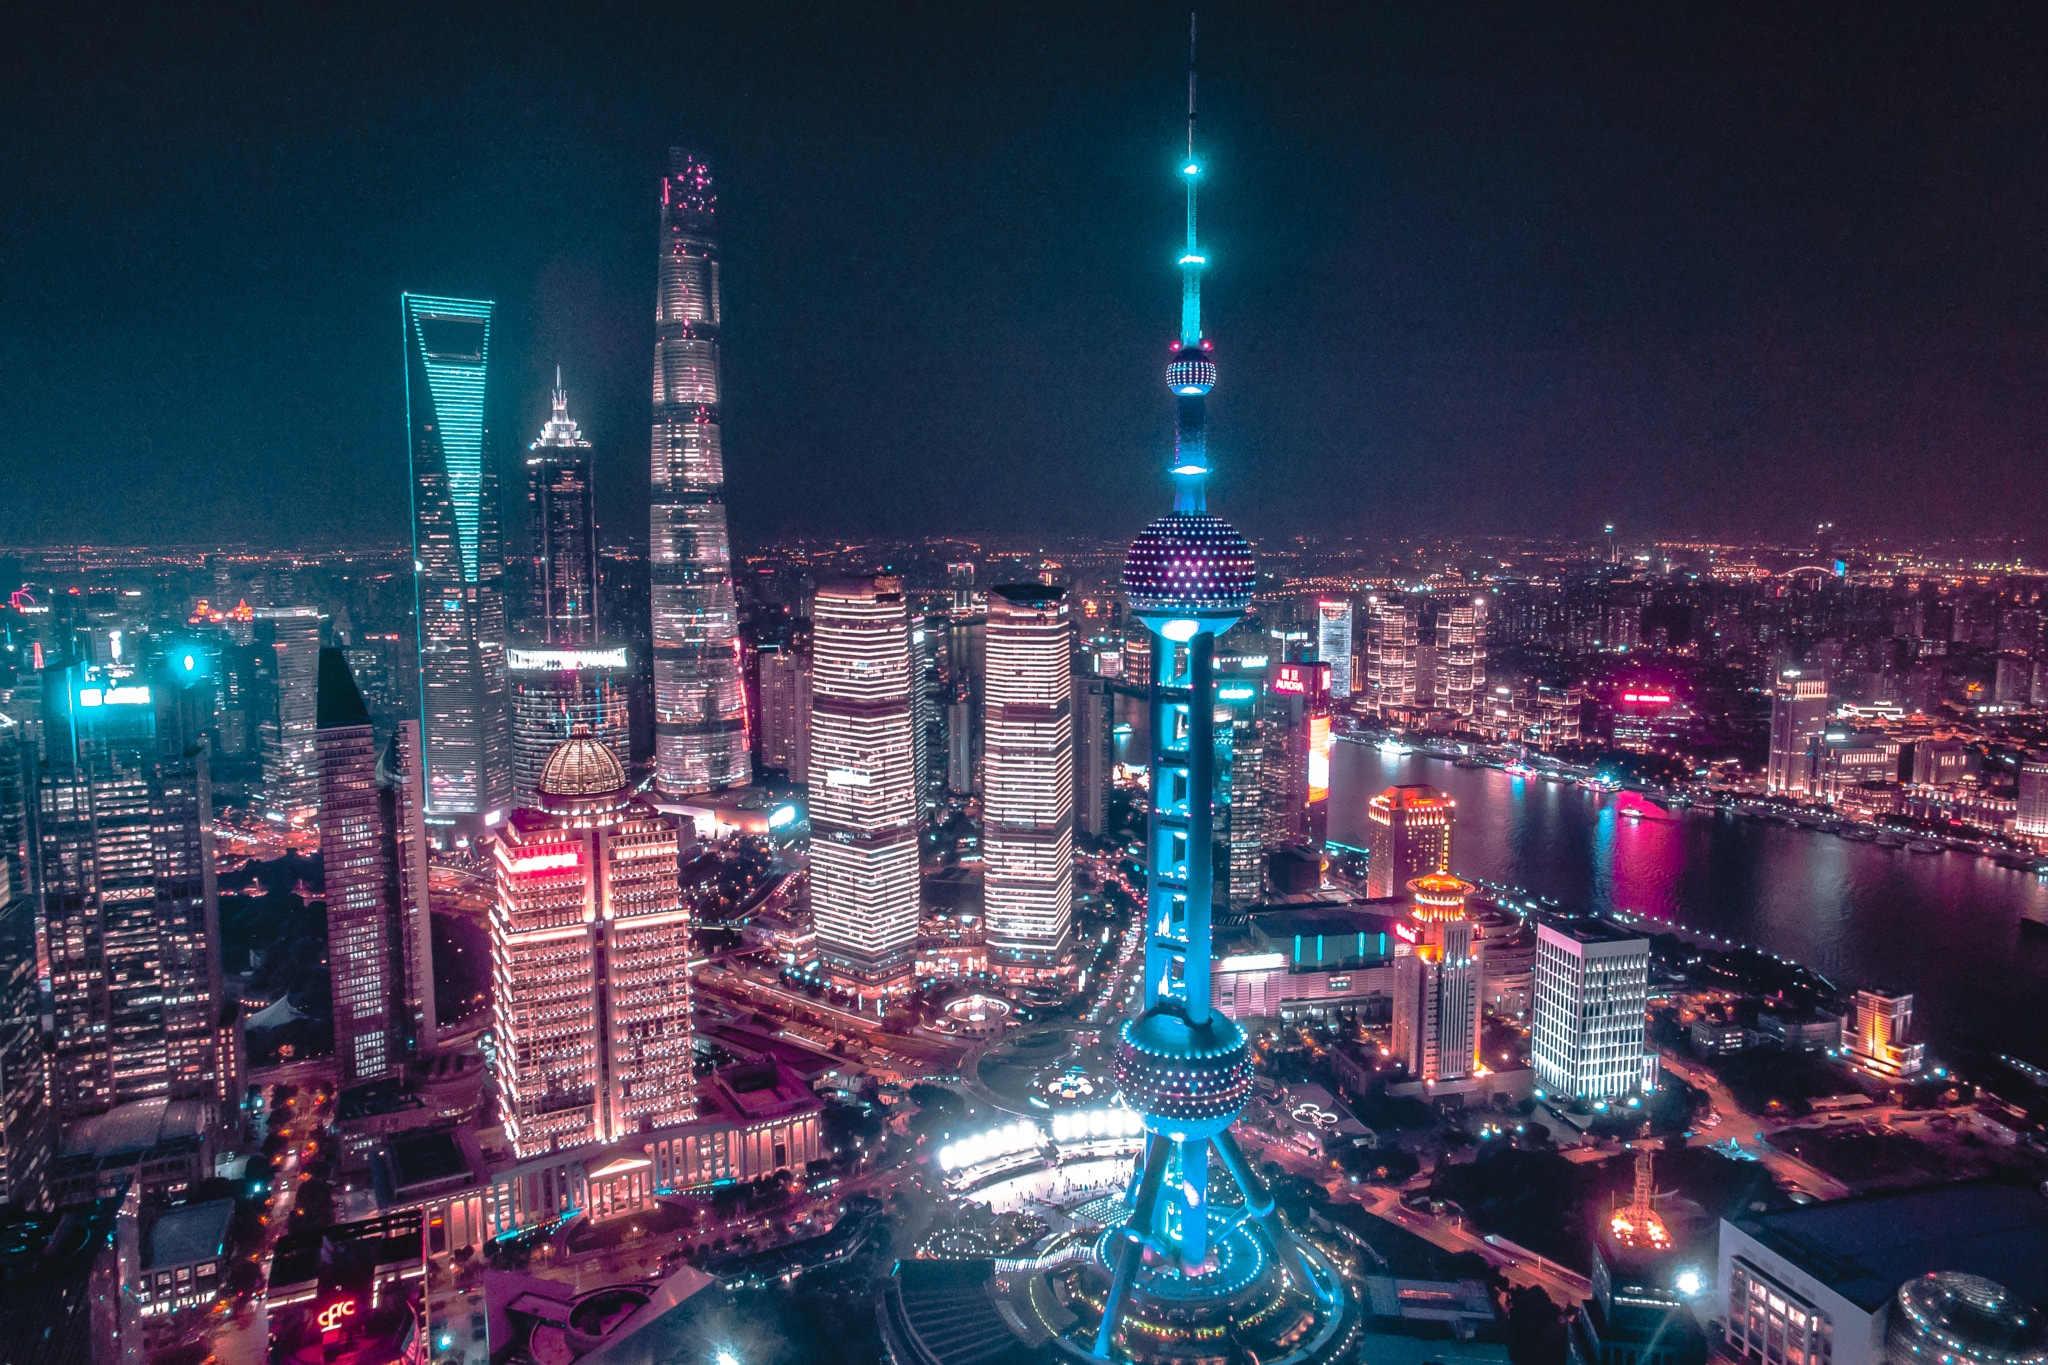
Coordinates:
(699, 707)
(458, 556)
(1189, 1277)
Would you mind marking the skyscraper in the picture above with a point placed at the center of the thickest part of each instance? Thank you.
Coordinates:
(1028, 778)
(557, 693)
(928, 730)
(1183, 1064)
(562, 525)
(1436, 987)
(291, 774)
(376, 898)
(1799, 713)
(786, 709)
(1408, 835)
(1391, 655)
(700, 710)
(1296, 774)
(458, 557)
(401, 810)
(1094, 752)
(590, 941)
(864, 856)
(129, 907)
(1587, 1019)
(1333, 643)
(1460, 682)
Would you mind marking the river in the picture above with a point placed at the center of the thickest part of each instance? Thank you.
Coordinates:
(1943, 926)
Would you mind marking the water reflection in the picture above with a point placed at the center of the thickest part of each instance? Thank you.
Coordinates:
(1944, 926)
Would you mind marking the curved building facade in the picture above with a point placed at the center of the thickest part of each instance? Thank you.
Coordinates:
(700, 723)
(1028, 778)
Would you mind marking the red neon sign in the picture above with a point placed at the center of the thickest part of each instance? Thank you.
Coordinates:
(1287, 678)
(331, 1316)
(1406, 931)
(1648, 698)
(546, 862)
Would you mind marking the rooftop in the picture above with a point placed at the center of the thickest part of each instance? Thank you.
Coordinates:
(1864, 1248)
(136, 1127)
(188, 1233)
(1592, 929)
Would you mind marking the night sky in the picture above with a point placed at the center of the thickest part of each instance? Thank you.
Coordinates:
(1702, 268)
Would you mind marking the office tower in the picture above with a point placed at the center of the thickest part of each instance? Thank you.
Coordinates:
(864, 856)
(291, 775)
(1874, 1035)
(700, 730)
(960, 580)
(1586, 1035)
(562, 525)
(401, 814)
(367, 919)
(786, 710)
(561, 691)
(1183, 1064)
(1094, 752)
(1333, 644)
(1799, 713)
(2031, 821)
(1391, 655)
(25, 1146)
(960, 746)
(1460, 681)
(1408, 835)
(1436, 987)
(458, 559)
(1027, 810)
(590, 946)
(129, 908)
(927, 727)
(1241, 744)
(1296, 711)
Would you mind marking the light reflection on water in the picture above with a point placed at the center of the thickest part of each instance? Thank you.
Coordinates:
(1944, 926)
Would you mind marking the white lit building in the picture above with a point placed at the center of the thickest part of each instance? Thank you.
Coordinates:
(864, 825)
(1392, 656)
(291, 771)
(1592, 989)
(2032, 819)
(590, 962)
(1460, 682)
(1028, 778)
(1437, 999)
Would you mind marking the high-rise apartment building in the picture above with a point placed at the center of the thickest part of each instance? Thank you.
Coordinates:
(1437, 995)
(786, 709)
(864, 827)
(562, 533)
(1392, 655)
(1460, 683)
(1094, 752)
(130, 912)
(372, 845)
(1028, 778)
(1333, 643)
(590, 948)
(1408, 835)
(700, 709)
(1799, 713)
(562, 691)
(291, 774)
(458, 558)
(1591, 991)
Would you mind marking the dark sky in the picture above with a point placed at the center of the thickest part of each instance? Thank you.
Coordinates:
(1692, 268)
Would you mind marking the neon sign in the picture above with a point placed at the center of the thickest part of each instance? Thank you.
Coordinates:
(546, 862)
(331, 1316)
(1648, 698)
(1405, 931)
(1318, 758)
(1288, 679)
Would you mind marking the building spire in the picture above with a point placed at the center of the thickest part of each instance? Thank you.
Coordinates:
(560, 431)
(1191, 261)
(1192, 372)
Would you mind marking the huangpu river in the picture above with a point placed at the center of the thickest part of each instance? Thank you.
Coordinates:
(1945, 926)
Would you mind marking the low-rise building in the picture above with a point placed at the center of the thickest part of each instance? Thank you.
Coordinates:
(1312, 960)
(161, 1147)
(183, 1257)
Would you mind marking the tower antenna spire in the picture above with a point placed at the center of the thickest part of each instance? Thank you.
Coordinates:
(1191, 85)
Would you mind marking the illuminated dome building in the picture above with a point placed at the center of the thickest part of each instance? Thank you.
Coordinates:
(1956, 1319)
(1184, 1276)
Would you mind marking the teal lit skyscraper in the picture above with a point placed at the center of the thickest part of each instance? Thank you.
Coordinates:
(458, 557)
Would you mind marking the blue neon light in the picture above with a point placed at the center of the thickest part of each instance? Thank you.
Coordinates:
(453, 337)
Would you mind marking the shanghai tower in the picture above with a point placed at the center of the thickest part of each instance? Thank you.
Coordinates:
(699, 707)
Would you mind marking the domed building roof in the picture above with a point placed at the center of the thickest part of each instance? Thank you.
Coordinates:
(582, 766)
(1964, 1320)
(1190, 565)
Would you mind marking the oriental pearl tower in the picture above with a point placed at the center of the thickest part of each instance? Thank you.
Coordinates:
(1195, 1270)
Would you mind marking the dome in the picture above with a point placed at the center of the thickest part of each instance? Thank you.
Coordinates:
(582, 766)
(1191, 371)
(1187, 1076)
(1190, 564)
(1965, 1320)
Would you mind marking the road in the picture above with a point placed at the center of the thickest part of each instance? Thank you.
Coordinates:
(243, 1338)
(1746, 1129)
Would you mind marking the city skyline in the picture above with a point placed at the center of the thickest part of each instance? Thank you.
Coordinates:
(1472, 240)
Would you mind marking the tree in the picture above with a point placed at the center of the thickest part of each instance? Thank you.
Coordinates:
(1536, 1333)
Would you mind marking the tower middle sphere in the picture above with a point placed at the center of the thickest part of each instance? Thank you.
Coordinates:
(1189, 567)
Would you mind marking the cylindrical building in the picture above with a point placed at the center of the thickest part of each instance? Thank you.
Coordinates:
(1028, 779)
(700, 726)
